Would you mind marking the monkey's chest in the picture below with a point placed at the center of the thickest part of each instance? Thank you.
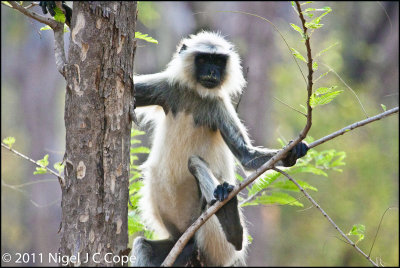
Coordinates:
(177, 138)
(176, 192)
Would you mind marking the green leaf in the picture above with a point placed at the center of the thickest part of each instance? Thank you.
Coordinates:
(40, 170)
(323, 95)
(308, 169)
(47, 27)
(238, 177)
(322, 75)
(145, 37)
(59, 16)
(249, 239)
(274, 198)
(6, 3)
(290, 186)
(44, 162)
(308, 2)
(298, 55)
(315, 66)
(383, 107)
(59, 167)
(297, 28)
(309, 9)
(357, 230)
(9, 141)
(326, 49)
(140, 150)
(264, 182)
(136, 132)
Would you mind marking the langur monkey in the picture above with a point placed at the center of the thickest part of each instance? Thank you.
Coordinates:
(192, 160)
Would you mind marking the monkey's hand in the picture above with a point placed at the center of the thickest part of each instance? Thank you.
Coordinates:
(49, 6)
(228, 215)
(298, 151)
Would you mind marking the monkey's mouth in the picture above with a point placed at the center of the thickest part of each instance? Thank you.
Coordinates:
(209, 82)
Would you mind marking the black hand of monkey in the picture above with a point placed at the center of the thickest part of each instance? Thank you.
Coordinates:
(221, 192)
(298, 151)
(49, 6)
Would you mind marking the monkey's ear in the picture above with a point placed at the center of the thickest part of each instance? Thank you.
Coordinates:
(183, 48)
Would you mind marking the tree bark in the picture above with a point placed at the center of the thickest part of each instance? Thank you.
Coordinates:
(98, 96)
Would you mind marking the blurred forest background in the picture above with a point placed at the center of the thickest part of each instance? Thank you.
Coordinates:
(366, 58)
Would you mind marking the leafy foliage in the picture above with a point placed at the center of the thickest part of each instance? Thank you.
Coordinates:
(44, 162)
(145, 37)
(59, 167)
(298, 55)
(135, 183)
(357, 230)
(9, 141)
(323, 95)
(271, 190)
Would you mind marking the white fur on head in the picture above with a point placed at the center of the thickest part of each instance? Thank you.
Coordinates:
(181, 67)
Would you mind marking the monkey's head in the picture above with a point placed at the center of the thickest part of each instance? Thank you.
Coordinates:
(207, 63)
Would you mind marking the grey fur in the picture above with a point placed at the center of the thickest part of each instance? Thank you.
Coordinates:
(207, 116)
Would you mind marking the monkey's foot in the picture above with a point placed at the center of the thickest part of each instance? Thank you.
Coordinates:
(222, 191)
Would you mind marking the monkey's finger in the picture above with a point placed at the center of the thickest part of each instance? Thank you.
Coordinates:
(230, 188)
(218, 193)
(212, 202)
(51, 7)
(43, 5)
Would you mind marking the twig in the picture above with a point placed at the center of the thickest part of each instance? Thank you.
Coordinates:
(351, 90)
(326, 215)
(58, 29)
(60, 179)
(300, 112)
(353, 126)
(379, 227)
(48, 21)
(180, 244)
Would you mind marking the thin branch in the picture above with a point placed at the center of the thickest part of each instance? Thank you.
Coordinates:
(48, 21)
(379, 227)
(351, 90)
(300, 112)
(60, 179)
(58, 29)
(353, 126)
(180, 244)
(13, 187)
(326, 216)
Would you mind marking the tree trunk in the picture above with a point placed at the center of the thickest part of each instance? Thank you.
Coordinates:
(98, 95)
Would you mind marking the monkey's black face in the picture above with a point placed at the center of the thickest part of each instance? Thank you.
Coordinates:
(210, 69)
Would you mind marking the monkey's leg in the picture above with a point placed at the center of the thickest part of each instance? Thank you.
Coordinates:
(228, 215)
(153, 252)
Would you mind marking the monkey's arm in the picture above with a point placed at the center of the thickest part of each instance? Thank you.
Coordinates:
(151, 90)
(249, 156)
(228, 215)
